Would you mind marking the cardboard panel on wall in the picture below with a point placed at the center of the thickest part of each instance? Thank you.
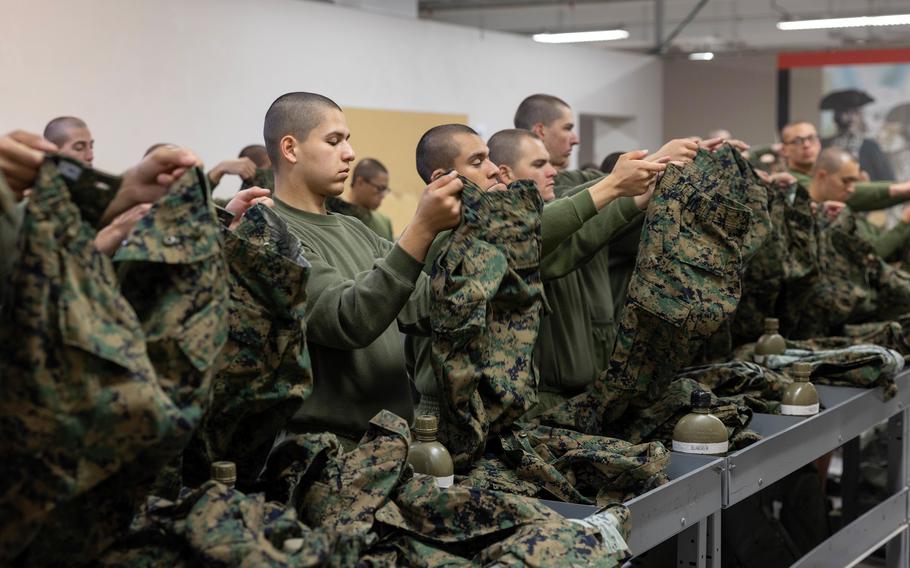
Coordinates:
(391, 137)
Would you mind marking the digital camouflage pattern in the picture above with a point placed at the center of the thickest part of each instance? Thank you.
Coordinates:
(264, 369)
(728, 167)
(657, 421)
(486, 303)
(864, 366)
(366, 507)
(741, 378)
(580, 468)
(779, 279)
(87, 417)
(685, 285)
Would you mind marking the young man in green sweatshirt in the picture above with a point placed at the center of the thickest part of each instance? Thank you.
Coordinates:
(369, 186)
(362, 289)
(606, 208)
(802, 148)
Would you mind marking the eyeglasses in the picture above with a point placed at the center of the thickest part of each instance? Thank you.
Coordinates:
(382, 189)
(800, 140)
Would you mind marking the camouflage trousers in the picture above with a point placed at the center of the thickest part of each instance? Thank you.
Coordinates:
(779, 279)
(99, 393)
(686, 284)
(365, 507)
(264, 371)
(486, 303)
(727, 168)
(864, 366)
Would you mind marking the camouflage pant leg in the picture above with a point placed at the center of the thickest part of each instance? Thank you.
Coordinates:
(485, 313)
(580, 468)
(81, 412)
(686, 283)
(764, 276)
(264, 374)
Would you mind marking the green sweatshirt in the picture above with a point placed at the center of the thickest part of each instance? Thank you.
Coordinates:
(888, 243)
(360, 285)
(869, 195)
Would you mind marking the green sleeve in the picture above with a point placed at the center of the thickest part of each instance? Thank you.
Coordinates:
(572, 178)
(886, 243)
(563, 217)
(350, 314)
(11, 216)
(873, 195)
(611, 222)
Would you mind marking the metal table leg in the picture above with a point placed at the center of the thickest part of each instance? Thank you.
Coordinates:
(691, 546)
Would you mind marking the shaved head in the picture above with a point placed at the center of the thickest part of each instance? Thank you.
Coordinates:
(505, 146)
(257, 153)
(438, 149)
(784, 131)
(832, 159)
(294, 114)
(367, 169)
(539, 109)
(57, 130)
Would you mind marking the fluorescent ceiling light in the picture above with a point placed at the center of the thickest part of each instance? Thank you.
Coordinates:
(701, 56)
(579, 37)
(858, 22)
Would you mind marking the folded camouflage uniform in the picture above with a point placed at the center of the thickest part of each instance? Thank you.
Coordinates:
(486, 303)
(85, 422)
(657, 421)
(686, 284)
(580, 468)
(364, 507)
(864, 366)
(445, 527)
(264, 373)
(738, 378)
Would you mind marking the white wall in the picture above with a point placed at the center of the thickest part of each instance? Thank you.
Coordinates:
(202, 73)
(738, 93)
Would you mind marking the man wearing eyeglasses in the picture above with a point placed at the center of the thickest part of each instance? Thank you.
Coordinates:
(369, 187)
(801, 147)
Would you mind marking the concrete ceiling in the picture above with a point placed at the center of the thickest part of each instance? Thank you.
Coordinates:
(722, 26)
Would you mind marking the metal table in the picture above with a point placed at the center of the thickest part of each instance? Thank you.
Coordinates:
(700, 487)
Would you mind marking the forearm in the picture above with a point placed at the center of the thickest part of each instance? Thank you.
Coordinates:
(613, 221)
(874, 195)
(561, 218)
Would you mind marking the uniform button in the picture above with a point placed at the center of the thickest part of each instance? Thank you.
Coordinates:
(171, 240)
(124, 242)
